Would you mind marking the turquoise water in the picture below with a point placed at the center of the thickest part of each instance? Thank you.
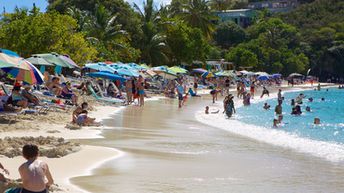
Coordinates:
(330, 112)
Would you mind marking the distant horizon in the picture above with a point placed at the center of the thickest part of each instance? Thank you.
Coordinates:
(9, 5)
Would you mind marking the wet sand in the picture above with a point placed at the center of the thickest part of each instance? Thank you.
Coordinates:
(168, 150)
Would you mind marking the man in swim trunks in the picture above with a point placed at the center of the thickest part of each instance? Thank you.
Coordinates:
(278, 108)
(34, 173)
(141, 91)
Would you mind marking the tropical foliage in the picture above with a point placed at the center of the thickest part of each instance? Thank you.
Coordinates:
(309, 37)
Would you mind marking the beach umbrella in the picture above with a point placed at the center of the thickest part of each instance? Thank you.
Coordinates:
(199, 70)
(125, 72)
(295, 75)
(208, 75)
(150, 73)
(69, 60)
(145, 66)
(36, 60)
(168, 75)
(9, 52)
(160, 69)
(27, 73)
(226, 73)
(262, 74)
(106, 75)
(276, 76)
(177, 69)
(262, 78)
(55, 59)
(100, 67)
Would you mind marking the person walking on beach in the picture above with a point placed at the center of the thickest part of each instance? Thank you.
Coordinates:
(228, 104)
(34, 173)
(129, 91)
(180, 91)
(227, 85)
(264, 92)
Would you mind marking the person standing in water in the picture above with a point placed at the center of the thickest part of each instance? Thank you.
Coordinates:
(252, 89)
(34, 173)
(141, 91)
(180, 91)
(264, 92)
(129, 91)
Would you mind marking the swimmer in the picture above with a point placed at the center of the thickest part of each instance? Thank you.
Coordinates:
(275, 122)
(292, 102)
(308, 109)
(280, 118)
(323, 99)
(266, 106)
(316, 121)
(207, 111)
(310, 99)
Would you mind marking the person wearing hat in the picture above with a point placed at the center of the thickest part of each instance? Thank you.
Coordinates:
(28, 95)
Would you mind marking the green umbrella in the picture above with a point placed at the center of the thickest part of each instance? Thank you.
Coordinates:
(177, 69)
(54, 58)
(39, 61)
(226, 73)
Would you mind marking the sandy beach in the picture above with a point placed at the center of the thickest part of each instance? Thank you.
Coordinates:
(82, 165)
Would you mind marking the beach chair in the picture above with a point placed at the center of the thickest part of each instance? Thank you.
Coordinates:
(104, 99)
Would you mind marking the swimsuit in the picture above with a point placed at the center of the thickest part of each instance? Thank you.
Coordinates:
(28, 191)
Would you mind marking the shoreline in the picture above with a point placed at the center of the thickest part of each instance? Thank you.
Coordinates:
(274, 136)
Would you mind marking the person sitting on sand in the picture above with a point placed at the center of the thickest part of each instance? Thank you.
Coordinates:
(54, 86)
(78, 111)
(2, 177)
(84, 120)
(67, 93)
(17, 98)
(34, 173)
(264, 92)
(29, 96)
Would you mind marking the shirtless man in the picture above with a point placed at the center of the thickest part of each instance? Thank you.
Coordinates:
(34, 173)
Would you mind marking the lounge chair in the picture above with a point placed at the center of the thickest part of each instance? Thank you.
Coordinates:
(104, 99)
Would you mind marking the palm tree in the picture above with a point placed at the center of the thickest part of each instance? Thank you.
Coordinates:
(104, 27)
(82, 17)
(153, 47)
(197, 14)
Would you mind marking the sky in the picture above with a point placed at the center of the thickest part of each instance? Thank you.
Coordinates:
(42, 4)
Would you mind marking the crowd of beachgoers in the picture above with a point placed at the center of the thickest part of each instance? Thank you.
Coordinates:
(67, 100)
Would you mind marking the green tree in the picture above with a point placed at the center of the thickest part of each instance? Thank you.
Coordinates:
(228, 34)
(153, 47)
(242, 57)
(196, 13)
(31, 33)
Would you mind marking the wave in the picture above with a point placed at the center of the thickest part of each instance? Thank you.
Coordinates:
(333, 152)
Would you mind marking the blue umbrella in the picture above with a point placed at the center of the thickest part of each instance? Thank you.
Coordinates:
(276, 76)
(263, 77)
(106, 75)
(9, 52)
(125, 72)
(100, 67)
